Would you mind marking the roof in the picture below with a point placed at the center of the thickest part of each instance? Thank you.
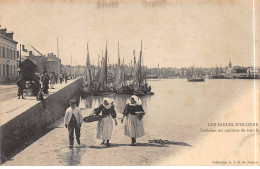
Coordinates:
(6, 38)
(52, 60)
(28, 61)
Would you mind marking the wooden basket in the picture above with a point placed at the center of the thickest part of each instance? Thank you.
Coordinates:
(92, 118)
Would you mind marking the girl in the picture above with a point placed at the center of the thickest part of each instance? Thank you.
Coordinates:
(133, 124)
(105, 125)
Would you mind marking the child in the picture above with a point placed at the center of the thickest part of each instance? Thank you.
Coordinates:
(40, 97)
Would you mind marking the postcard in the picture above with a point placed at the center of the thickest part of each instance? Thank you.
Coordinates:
(129, 83)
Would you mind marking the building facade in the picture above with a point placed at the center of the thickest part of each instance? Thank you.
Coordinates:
(40, 61)
(54, 63)
(236, 69)
(8, 56)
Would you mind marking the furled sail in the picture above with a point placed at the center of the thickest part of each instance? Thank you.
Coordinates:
(88, 76)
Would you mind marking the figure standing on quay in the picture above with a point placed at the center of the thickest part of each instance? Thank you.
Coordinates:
(73, 120)
(66, 77)
(52, 78)
(21, 86)
(105, 125)
(61, 77)
(45, 82)
(134, 112)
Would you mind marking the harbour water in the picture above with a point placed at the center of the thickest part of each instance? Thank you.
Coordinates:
(176, 112)
(180, 108)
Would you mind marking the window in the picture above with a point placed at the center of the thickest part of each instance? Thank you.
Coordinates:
(9, 56)
(14, 55)
(0, 70)
(3, 52)
(0, 52)
(14, 71)
(3, 70)
(11, 53)
(6, 56)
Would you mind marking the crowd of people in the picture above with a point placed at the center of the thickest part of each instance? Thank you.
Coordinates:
(39, 84)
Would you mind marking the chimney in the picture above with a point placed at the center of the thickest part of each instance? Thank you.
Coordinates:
(10, 35)
(3, 31)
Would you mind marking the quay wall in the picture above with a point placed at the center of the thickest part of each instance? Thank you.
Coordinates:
(31, 124)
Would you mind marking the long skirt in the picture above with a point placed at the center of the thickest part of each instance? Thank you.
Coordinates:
(105, 128)
(52, 85)
(133, 126)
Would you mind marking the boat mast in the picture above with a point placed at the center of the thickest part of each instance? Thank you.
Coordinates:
(58, 48)
(118, 71)
(106, 66)
(140, 66)
(88, 68)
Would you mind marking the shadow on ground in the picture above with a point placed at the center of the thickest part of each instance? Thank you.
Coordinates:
(142, 145)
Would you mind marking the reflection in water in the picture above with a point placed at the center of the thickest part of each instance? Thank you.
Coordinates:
(73, 157)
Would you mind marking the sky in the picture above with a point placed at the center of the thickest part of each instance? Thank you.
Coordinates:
(174, 34)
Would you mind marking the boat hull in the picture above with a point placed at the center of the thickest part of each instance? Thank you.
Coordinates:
(196, 80)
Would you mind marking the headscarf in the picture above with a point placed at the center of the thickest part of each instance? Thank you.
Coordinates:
(137, 100)
(109, 101)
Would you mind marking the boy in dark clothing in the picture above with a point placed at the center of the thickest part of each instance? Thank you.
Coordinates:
(21, 85)
(66, 77)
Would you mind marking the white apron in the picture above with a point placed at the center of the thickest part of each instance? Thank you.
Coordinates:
(133, 126)
(105, 128)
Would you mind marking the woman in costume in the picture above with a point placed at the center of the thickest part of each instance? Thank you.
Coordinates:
(105, 125)
(134, 113)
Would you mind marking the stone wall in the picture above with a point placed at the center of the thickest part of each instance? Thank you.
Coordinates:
(18, 133)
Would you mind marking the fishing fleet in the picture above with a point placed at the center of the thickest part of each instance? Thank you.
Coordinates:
(100, 81)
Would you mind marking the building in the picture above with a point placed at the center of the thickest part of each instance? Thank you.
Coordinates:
(79, 70)
(230, 70)
(236, 69)
(54, 63)
(8, 56)
(40, 61)
(230, 64)
(28, 68)
(252, 70)
(73, 70)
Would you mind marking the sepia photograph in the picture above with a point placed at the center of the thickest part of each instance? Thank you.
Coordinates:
(129, 83)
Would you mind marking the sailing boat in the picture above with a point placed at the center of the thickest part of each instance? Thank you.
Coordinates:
(87, 76)
(118, 72)
(102, 86)
(216, 74)
(89, 88)
(120, 81)
(140, 85)
(195, 77)
(102, 82)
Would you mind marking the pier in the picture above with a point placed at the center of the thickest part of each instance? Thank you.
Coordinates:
(24, 120)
